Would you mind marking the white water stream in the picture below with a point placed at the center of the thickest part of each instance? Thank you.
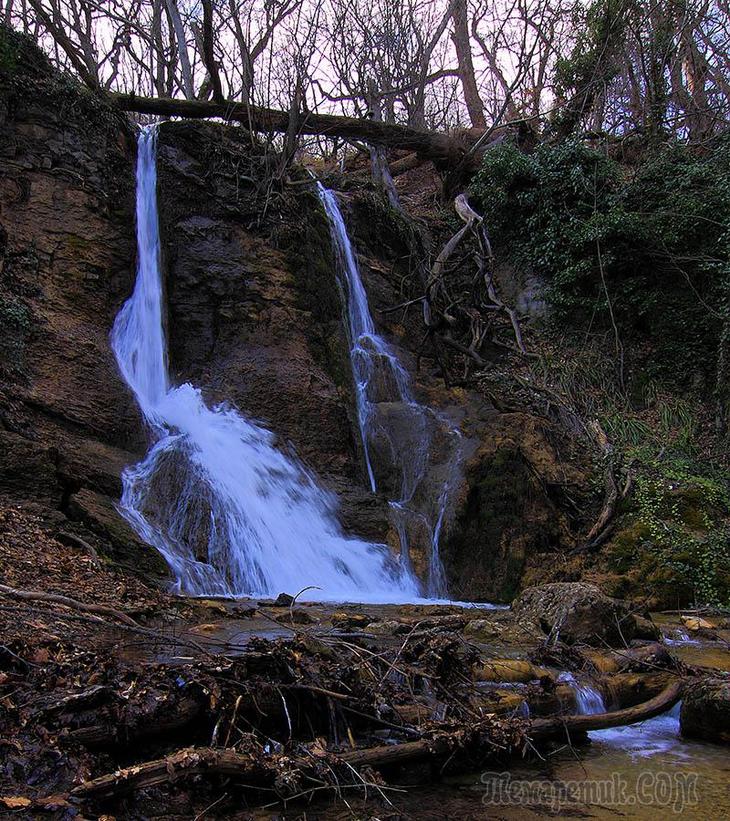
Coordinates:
(229, 512)
(588, 700)
(398, 430)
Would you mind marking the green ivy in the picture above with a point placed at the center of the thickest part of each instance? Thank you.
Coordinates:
(648, 244)
(687, 539)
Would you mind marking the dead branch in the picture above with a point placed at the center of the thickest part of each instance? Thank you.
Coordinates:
(543, 728)
(37, 595)
(435, 291)
(184, 763)
(261, 772)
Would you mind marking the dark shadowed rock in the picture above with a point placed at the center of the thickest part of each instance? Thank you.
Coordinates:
(576, 613)
(705, 711)
(646, 629)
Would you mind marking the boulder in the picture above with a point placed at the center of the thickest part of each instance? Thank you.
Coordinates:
(296, 616)
(695, 623)
(388, 628)
(705, 711)
(482, 629)
(351, 621)
(576, 613)
(646, 629)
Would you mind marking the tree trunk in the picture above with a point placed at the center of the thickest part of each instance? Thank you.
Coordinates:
(182, 49)
(438, 147)
(462, 44)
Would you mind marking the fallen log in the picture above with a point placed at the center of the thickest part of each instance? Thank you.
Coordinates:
(187, 711)
(431, 145)
(184, 763)
(545, 728)
(260, 772)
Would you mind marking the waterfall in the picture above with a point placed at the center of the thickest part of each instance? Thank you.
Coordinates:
(402, 433)
(230, 513)
(588, 700)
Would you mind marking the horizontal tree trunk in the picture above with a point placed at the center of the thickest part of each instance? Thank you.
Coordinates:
(431, 145)
(258, 773)
(543, 728)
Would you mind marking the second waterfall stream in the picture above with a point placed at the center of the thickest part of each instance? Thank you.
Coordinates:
(412, 453)
(231, 514)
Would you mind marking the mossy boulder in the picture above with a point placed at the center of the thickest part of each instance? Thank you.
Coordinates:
(705, 712)
(577, 613)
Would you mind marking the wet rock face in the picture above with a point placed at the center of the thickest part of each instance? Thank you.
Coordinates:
(705, 712)
(511, 514)
(236, 322)
(67, 249)
(576, 613)
(254, 313)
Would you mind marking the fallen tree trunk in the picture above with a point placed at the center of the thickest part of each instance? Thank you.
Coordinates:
(431, 145)
(544, 728)
(262, 772)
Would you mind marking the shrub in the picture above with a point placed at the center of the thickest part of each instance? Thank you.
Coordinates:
(647, 247)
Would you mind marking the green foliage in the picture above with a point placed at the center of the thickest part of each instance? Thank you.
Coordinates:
(687, 544)
(674, 536)
(648, 245)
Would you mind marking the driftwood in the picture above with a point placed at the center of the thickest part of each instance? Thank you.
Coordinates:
(261, 771)
(80, 701)
(544, 728)
(184, 763)
(56, 598)
(112, 735)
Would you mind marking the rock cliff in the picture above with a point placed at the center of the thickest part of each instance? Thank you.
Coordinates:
(253, 317)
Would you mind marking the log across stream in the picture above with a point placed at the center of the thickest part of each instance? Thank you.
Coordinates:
(265, 703)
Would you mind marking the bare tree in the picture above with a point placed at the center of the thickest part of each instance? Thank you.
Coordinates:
(462, 44)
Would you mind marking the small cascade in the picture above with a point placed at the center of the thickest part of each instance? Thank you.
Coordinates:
(229, 512)
(411, 452)
(678, 636)
(655, 736)
(588, 700)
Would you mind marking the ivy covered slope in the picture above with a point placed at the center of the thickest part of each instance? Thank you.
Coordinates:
(632, 250)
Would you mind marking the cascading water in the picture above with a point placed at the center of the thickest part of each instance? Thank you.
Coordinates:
(398, 429)
(588, 700)
(230, 513)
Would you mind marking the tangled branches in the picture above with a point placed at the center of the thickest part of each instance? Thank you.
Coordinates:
(465, 315)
